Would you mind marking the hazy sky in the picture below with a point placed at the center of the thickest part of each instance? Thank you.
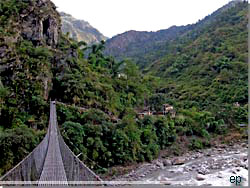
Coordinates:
(112, 17)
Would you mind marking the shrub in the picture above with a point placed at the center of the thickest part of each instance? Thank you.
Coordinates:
(15, 144)
(196, 144)
(165, 131)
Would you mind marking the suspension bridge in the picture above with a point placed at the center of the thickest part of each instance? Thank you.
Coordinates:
(51, 162)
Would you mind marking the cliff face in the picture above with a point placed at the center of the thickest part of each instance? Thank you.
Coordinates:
(40, 23)
(80, 30)
(36, 21)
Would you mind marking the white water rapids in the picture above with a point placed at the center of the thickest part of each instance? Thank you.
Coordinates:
(212, 166)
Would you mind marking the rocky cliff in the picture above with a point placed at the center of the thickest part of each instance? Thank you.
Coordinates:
(80, 30)
(40, 23)
(36, 21)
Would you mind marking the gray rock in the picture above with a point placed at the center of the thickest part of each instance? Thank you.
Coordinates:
(187, 169)
(38, 26)
(237, 169)
(166, 183)
(220, 150)
(178, 161)
(203, 171)
(167, 162)
(159, 164)
(242, 164)
(208, 154)
(245, 158)
(220, 176)
(200, 177)
(233, 171)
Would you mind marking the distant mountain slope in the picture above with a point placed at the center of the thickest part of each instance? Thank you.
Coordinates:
(203, 65)
(135, 44)
(206, 67)
(80, 30)
(227, 25)
(145, 47)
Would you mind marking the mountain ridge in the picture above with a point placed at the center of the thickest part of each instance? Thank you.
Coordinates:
(80, 30)
(133, 44)
(206, 68)
(133, 48)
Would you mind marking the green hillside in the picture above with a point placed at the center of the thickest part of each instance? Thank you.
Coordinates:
(207, 67)
(141, 46)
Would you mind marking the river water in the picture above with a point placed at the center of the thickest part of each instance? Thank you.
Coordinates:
(212, 166)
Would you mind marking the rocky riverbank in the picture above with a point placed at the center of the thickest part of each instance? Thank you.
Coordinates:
(213, 166)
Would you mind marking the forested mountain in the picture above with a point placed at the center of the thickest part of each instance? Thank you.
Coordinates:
(146, 47)
(203, 76)
(204, 66)
(207, 66)
(139, 45)
(80, 30)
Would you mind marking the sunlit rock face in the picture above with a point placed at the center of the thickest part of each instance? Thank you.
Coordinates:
(80, 30)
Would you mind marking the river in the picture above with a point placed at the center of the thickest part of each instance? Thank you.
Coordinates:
(213, 166)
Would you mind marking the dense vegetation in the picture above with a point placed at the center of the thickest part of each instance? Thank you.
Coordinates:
(94, 84)
(204, 67)
(207, 67)
(99, 95)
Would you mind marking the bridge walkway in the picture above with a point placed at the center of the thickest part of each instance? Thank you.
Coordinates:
(51, 161)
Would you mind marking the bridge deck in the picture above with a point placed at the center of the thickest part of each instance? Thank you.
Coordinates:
(53, 169)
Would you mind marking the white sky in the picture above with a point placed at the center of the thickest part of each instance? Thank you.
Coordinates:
(112, 17)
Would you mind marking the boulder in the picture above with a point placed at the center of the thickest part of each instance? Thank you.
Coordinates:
(178, 161)
(158, 163)
(165, 182)
(220, 175)
(167, 162)
(203, 171)
(200, 177)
